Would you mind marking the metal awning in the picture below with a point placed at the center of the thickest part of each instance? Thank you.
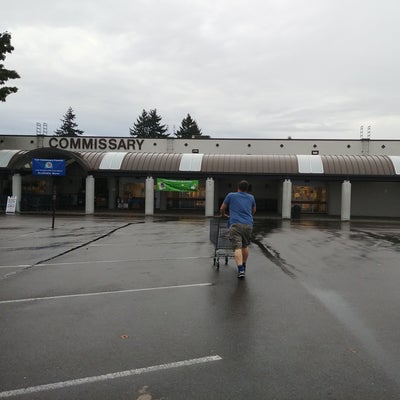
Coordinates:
(208, 164)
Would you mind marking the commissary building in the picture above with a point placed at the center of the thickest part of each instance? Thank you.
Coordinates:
(341, 178)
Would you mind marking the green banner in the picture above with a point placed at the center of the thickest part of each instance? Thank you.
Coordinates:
(169, 185)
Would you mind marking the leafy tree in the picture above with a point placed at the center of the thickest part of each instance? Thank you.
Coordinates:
(188, 129)
(6, 74)
(69, 126)
(148, 126)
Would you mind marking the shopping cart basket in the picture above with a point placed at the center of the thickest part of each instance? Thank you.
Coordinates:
(219, 236)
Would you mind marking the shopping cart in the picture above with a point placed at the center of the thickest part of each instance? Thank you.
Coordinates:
(219, 236)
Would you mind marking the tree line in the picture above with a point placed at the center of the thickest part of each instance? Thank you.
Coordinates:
(148, 124)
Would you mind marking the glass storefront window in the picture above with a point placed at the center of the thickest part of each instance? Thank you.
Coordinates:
(311, 199)
(34, 186)
(187, 200)
(131, 195)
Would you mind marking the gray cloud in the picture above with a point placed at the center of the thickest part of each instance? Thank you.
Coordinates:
(258, 68)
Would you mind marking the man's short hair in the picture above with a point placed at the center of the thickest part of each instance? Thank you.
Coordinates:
(243, 186)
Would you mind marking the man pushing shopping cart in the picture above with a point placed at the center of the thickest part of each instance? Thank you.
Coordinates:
(241, 207)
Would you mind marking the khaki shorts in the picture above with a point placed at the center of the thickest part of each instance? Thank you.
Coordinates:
(240, 235)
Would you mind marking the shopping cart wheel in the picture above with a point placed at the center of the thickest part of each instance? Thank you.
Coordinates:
(226, 260)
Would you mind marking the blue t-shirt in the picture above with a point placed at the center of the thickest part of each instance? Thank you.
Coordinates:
(240, 207)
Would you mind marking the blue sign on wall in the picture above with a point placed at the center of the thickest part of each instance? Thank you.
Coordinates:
(41, 166)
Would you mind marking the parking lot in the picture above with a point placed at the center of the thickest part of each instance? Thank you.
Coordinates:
(133, 308)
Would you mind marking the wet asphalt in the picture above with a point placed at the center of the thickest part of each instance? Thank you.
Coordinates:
(133, 308)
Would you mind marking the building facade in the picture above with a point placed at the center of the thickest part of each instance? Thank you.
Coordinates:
(342, 178)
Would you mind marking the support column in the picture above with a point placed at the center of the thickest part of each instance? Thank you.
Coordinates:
(209, 197)
(149, 200)
(112, 193)
(346, 201)
(89, 195)
(17, 190)
(287, 199)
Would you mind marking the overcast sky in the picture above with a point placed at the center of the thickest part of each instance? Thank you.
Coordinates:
(240, 68)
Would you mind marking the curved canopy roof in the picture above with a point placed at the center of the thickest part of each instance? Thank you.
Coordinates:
(208, 164)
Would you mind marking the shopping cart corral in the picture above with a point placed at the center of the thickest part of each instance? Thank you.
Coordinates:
(219, 236)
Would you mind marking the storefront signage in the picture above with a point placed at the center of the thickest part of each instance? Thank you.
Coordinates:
(169, 185)
(91, 144)
(42, 166)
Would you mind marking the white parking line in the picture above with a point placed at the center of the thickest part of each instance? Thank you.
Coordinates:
(102, 262)
(104, 293)
(130, 243)
(106, 377)
(42, 264)
(119, 261)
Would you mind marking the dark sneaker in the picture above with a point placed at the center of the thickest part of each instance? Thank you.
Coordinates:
(241, 272)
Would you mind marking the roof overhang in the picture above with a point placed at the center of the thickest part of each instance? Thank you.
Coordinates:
(214, 164)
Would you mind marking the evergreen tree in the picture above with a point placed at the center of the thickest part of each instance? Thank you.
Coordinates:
(188, 129)
(157, 128)
(148, 126)
(6, 74)
(141, 128)
(69, 126)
